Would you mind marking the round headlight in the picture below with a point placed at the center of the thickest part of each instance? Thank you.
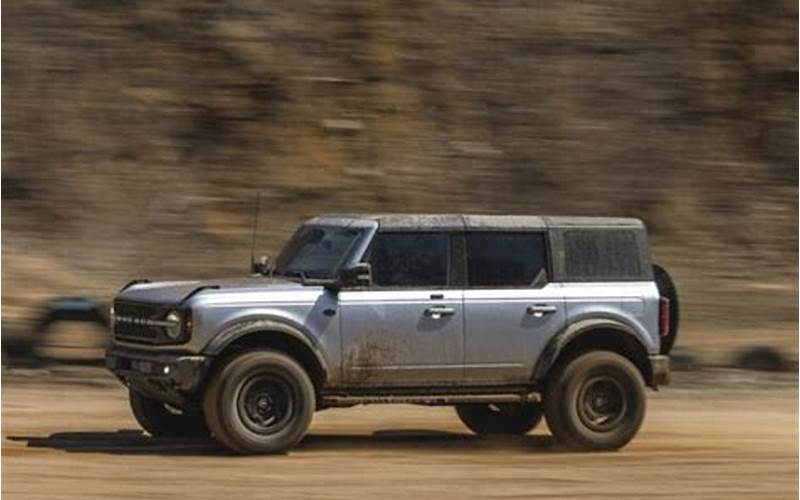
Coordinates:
(173, 329)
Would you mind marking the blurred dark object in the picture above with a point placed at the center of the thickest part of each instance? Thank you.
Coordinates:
(763, 358)
(46, 342)
(682, 361)
(73, 309)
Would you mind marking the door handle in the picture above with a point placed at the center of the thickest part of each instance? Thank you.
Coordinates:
(539, 310)
(437, 312)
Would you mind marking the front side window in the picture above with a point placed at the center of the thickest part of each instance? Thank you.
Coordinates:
(496, 259)
(317, 251)
(409, 259)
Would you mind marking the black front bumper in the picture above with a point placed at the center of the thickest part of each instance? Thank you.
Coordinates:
(172, 378)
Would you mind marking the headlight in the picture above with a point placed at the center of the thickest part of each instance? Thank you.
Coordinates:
(175, 326)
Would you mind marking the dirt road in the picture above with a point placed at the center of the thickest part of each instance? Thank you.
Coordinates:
(713, 434)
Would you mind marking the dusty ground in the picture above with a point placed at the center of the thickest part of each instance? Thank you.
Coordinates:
(713, 434)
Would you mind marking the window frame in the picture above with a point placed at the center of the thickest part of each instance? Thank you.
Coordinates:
(454, 273)
(548, 267)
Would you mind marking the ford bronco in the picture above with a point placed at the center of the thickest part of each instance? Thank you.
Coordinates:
(507, 318)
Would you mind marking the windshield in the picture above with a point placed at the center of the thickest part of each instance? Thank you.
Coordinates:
(317, 251)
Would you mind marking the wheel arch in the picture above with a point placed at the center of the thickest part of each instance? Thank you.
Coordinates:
(593, 334)
(270, 334)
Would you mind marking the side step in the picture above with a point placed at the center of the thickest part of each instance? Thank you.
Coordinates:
(335, 400)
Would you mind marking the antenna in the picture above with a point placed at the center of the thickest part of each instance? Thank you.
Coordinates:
(255, 231)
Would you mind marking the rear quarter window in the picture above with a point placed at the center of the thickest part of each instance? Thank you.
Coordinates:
(595, 255)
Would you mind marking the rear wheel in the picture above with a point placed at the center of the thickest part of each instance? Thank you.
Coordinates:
(160, 419)
(500, 418)
(259, 402)
(596, 402)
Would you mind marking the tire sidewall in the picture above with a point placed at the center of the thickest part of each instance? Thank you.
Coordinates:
(158, 421)
(480, 419)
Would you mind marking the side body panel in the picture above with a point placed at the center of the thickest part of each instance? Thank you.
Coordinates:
(633, 303)
(402, 337)
(305, 310)
(507, 329)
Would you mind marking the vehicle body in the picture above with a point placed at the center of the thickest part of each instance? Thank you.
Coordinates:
(488, 313)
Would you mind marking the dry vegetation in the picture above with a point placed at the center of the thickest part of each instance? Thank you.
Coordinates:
(136, 133)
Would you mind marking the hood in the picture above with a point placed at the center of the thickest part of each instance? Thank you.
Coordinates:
(173, 292)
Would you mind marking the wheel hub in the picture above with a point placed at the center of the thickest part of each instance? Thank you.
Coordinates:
(602, 403)
(265, 403)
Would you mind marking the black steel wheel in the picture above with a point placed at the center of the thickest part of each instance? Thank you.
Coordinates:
(265, 403)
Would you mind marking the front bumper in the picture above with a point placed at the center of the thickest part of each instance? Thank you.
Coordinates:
(660, 371)
(172, 378)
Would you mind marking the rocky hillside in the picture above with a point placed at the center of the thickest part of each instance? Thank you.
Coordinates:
(135, 133)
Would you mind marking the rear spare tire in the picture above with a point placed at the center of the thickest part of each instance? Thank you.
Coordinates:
(666, 288)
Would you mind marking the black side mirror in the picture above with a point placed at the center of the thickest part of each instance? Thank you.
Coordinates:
(263, 266)
(356, 275)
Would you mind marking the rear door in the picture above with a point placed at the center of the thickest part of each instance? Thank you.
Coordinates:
(511, 309)
(406, 329)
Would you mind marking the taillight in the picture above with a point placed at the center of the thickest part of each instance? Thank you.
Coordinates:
(663, 316)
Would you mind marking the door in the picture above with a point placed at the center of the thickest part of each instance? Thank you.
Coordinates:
(511, 310)
(406, 329)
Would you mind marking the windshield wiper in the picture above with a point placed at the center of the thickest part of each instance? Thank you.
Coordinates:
(293, 273)
(305, 279)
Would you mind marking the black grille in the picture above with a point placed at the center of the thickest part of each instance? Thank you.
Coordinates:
(125, 327)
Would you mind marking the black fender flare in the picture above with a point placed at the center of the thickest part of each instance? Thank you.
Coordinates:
(229, 334)
(556, 344)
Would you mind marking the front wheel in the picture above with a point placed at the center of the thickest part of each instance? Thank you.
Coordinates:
(259, 402)
(162, 420)
(500, 418)
(595, 402)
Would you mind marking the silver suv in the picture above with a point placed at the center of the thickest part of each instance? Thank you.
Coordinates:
(507, 318)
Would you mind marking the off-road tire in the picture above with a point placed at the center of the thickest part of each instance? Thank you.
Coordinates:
(260, 401)
(666, 288)
(574, 413)
(161, 421)
(500, 418)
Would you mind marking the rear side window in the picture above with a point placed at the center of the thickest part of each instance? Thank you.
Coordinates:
(496, 259)
(601, 255)
(409, 259)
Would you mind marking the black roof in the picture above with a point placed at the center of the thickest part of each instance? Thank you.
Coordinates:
(400, 221)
